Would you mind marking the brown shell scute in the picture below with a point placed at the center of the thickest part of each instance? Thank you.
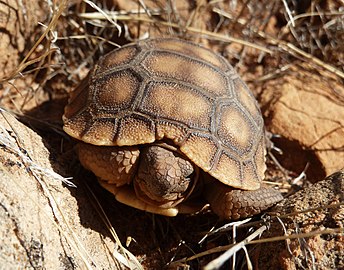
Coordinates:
(189, 49)
(247, 100)
(180, 68)
(169, 88)
(172, 101)
(116, 58)
(235, 129)
(115, 83)
(135, 129)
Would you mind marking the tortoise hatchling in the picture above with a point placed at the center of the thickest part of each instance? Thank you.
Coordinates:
(165, 124)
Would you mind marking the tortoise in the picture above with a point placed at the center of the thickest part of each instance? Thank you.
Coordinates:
(166, 125)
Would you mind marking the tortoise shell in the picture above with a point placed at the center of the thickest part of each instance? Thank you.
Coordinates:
(170, 89)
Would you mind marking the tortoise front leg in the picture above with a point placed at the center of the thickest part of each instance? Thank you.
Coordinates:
(230, 203)
(115, 165)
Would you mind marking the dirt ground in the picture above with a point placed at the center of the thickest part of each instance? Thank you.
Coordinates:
(54, 214)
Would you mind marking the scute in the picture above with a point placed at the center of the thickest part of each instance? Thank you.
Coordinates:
(135, 129)
(190, 50)
(167, 88)
(77, 102)
(228, 170)
(181, 68)
(171, 130)
(172, 101)
(100, 132)
(247, 100)
(204, 158)
(116, 58)
(77, 125)
(249, 172)
(108, 90)
(260, 158)
(235, 129)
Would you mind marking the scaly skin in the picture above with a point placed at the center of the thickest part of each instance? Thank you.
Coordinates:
(232, 204)
(163, 180)
(164, 177)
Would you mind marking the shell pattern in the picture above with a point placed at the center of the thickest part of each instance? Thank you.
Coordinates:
(173, 89)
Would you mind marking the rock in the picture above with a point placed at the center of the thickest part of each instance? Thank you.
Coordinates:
(44, 224)
(318, 212)
(307, 110)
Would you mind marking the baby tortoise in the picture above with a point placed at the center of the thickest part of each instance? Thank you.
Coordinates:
(164, 123)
